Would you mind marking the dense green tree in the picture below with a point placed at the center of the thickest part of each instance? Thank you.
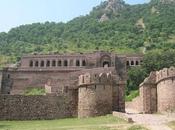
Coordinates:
(136, 75)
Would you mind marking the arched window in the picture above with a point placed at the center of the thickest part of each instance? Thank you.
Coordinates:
(127, 63)
(53, 63)
(31, 63)
(77, 63)
(83, 63)
(36, 63)
(137, 63)
(132, 62)
(42, 63)
(48, 63)
(8, 76)
(59, 63)
(65, 63)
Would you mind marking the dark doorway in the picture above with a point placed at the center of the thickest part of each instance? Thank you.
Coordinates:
(106, 64)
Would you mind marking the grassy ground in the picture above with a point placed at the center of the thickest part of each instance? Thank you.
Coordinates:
(172, 125)
(98, 123)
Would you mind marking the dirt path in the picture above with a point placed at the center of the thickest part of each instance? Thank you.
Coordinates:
(151, 121)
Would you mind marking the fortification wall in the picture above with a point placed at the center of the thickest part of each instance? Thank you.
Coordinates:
(157, 92)
(95, 95)
(15, 107)
(147, 100)
(6, 83)
(165, 89)
(119, 84)
(0, 81)
(95, 100)
(148, 97)
(148, 94)
(21, 80)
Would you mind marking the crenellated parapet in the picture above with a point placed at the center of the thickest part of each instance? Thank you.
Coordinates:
(94, 89)
(88, 79)
(157, 76)
(157, 91)
(164, 74)
(165, 89)
(151, 79)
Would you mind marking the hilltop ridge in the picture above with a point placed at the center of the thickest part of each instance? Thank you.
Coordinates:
(111, 26)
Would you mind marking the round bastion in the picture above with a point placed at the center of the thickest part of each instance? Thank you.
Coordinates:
(95, 95)
(166, 89)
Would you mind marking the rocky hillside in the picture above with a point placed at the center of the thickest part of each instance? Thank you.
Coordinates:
(112, 26)
(111, 7)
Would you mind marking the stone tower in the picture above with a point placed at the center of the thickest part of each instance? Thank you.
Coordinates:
(95, 94)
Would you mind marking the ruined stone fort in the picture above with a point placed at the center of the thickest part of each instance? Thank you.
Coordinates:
(76, 85)
(80, 85)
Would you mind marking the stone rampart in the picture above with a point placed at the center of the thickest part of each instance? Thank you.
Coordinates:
(147, 100)
(0, 81)
(164, 74)
(166, 89)
(93, 79)
(157, 92)
(17, 107)
(95, 95)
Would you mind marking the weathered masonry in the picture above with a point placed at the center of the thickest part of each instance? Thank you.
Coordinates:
(93, 83)
(157, 92)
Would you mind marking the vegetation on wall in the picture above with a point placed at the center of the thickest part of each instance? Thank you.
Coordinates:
(34, 91)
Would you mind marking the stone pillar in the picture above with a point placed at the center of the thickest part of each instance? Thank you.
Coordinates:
(45, 62)
(80, 62)
(68, 63)
(39, 63)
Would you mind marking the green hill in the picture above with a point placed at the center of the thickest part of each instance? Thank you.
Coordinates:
(112, 26)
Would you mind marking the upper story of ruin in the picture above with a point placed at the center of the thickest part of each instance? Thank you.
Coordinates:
(76, 61)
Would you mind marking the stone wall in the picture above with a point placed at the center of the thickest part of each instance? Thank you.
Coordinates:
(15, 107)
(0, 81)
(148, 94)
(21, 80)
(147, 100)
(6, 83)
(166, 89)
(121, 96)
(119, 82)
(95, 100)
(157, 92)
(134, 60)
(95, 94)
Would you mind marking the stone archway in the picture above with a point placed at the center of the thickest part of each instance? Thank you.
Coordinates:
(105, 61)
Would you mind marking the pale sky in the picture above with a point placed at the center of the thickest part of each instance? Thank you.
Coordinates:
(18, 12)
